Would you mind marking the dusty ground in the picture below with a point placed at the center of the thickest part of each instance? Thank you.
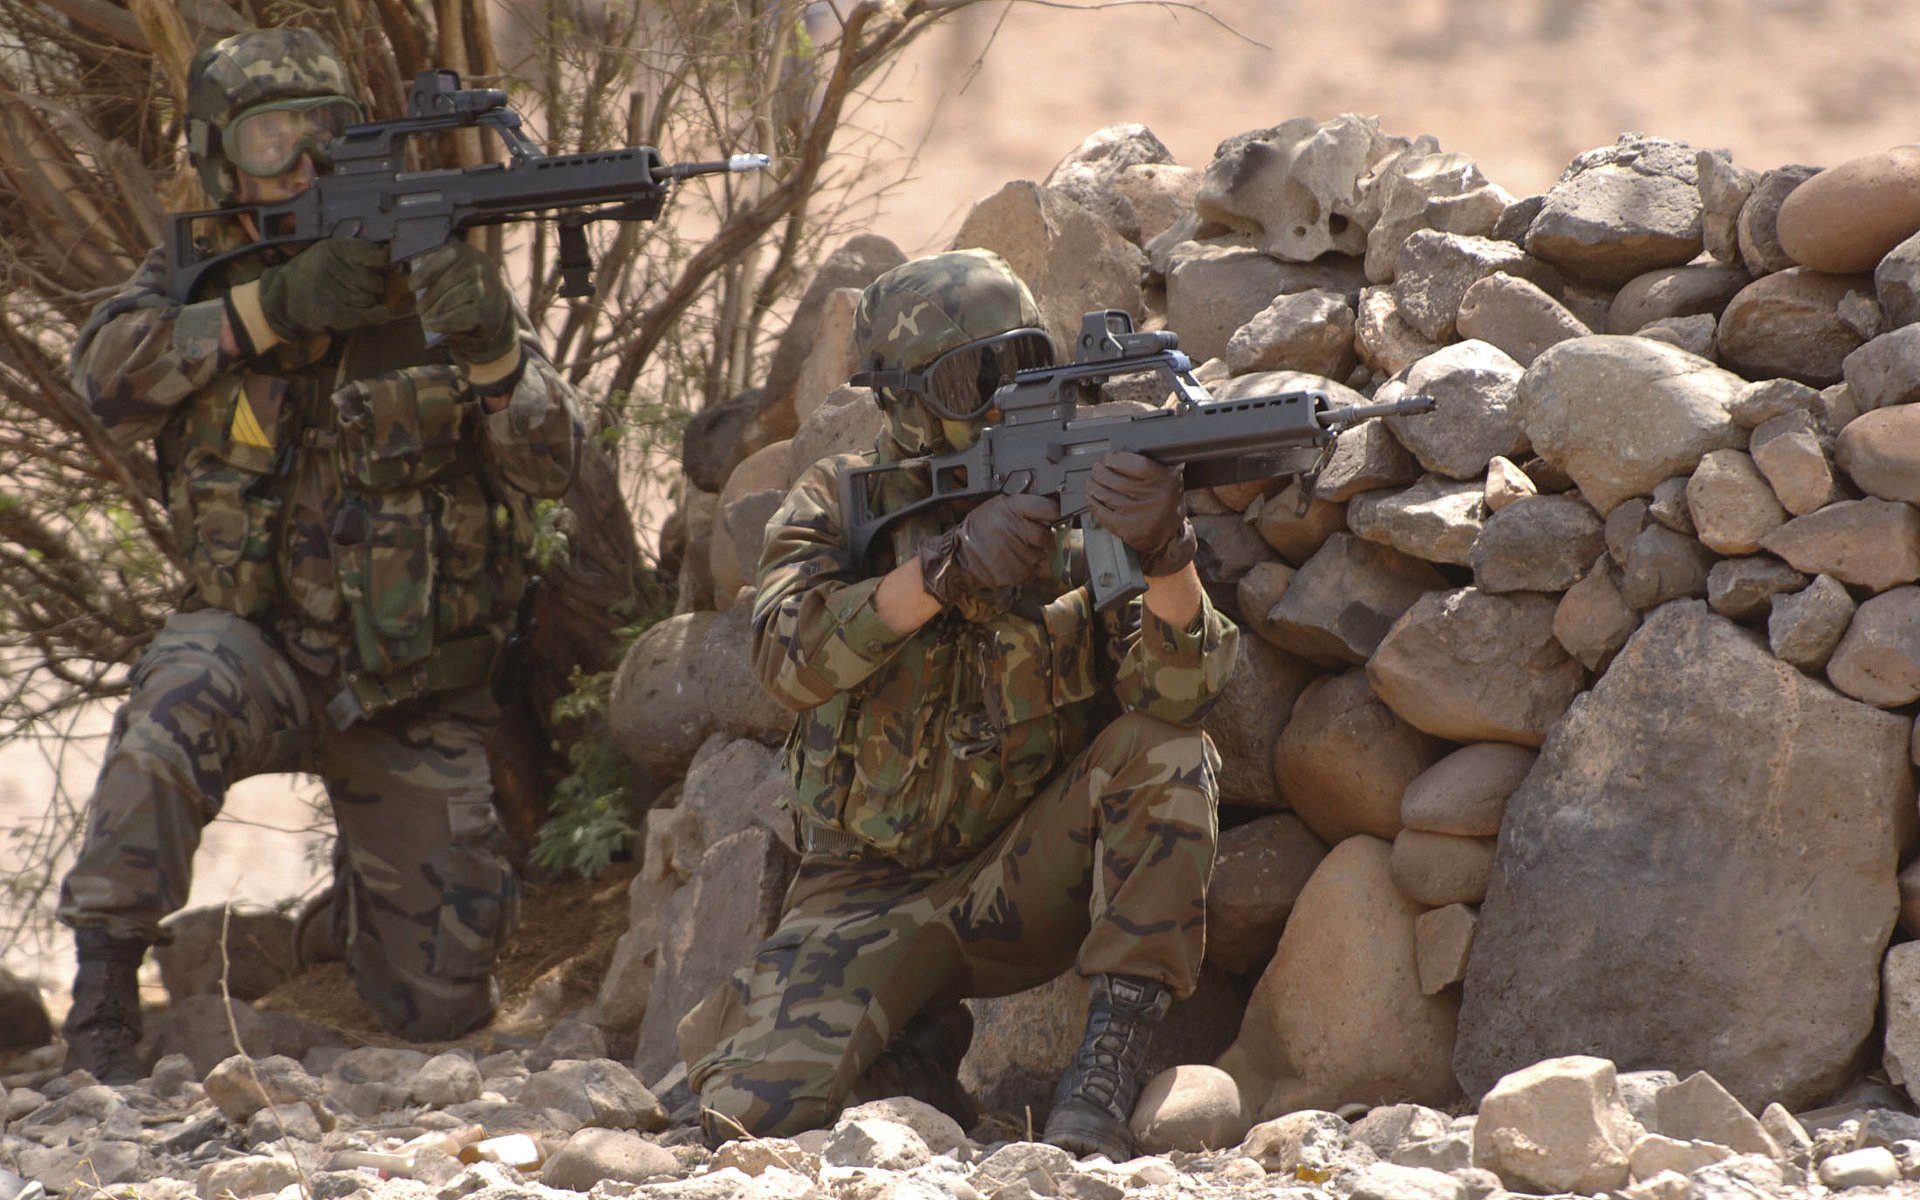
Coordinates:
(553, 966)
(1521, 85)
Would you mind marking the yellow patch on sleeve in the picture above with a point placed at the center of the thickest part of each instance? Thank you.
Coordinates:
(245, 428)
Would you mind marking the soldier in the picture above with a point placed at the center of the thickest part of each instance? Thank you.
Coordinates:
(993, 782)
(355, 511)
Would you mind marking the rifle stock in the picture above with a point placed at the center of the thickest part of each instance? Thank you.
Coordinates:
(1040, 445)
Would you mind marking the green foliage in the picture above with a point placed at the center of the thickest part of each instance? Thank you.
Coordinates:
(593, 816)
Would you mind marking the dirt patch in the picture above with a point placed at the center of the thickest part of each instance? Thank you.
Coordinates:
(552, 967)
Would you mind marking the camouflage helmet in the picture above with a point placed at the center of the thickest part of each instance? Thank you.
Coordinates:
(918, 311)
(237, 73)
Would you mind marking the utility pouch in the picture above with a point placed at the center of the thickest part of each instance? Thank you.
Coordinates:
(403, 428)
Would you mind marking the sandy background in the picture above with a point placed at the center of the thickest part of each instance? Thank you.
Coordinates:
(1003, 91)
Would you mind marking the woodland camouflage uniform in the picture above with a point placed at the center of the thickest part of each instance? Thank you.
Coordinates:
(357, 533)
(984, 803)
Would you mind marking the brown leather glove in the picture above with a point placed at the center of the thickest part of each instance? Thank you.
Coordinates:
(978, 565)
(1139, 501)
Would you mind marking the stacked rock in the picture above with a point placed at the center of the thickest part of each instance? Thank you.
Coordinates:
(1578, 717)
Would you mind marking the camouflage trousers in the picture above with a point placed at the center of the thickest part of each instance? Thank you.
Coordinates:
(427, 897)
(1105, 872)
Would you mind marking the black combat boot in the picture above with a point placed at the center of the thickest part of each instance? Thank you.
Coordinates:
(1094, 1102)
(103, 1027)
(923, 1061)
(319, 932)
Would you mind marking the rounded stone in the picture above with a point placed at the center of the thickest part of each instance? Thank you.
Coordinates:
(1846, 218)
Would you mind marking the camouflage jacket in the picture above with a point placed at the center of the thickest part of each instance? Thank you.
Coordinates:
(923, 746)
(347, 492)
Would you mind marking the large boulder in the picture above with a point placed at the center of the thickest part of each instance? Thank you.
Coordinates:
(1074, 262)
(1701, 827)
(1621, 414)
(682, 681)
(1338, 1016)
(1620, 211)
(1473, 666)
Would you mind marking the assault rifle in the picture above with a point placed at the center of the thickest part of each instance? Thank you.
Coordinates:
(370, 194)
(1038, 445)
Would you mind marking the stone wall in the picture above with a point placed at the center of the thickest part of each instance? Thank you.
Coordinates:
(1578, 718)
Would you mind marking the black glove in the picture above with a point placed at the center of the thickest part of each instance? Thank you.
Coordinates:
(978, 564)
(461, 297)
(334, 285)
(1139, 501)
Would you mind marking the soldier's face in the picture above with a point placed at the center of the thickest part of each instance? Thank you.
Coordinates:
(271, 189)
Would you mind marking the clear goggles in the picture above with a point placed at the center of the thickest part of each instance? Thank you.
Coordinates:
(266, 140)
(959, 385)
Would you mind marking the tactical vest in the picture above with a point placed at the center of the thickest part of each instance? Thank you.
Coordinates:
(340, 500)
(951, 738)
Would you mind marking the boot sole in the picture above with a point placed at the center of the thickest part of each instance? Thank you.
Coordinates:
(1082, 1132)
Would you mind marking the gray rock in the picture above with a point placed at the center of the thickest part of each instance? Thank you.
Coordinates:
(1698, 336)
(1742, 589)
(1300, 187)
(1536, 544)
(1569, 409)
(1476, 667)
(1473, 386)
(1604, 835)
(1803, 628)
(1878, 659)
(1673, 292)
(1345, 598)
(1724, 189)
(1760, 249)
(240, 1086)
(1557, 1125)
(1795, 453)
(1794, 324)
(1435, 269)
(1415, 191)
(448, 1078)
(1764, 399)
(710, 927)
(1593, 620)
(1662, 565)
(1466, 792)
(1896, 283)
(1213, 289)
(1308, 331)
(1885, 371)
(1244, 724)
(1621, 210)
(1517, 316)
(1382, 337)
(854, 264)
(594, 1154)
(1391, 1181)
(597, 1092)
(1258, 872)
(1872, 543)
(259, 954)
(1074, 262)
(1436, 519)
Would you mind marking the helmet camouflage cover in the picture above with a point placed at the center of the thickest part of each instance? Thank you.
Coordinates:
(918, 311)
(256, 67)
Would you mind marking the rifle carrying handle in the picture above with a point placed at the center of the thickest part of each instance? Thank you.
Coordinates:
(1113, 569)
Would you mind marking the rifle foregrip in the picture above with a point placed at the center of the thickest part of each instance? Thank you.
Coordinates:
(1113, 569)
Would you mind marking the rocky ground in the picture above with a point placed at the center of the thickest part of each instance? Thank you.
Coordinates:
(558, 1118)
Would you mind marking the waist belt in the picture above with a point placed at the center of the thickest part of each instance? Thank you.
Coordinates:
(461, 662)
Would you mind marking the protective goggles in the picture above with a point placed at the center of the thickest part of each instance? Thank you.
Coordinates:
(959, 385)
(268, 139)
